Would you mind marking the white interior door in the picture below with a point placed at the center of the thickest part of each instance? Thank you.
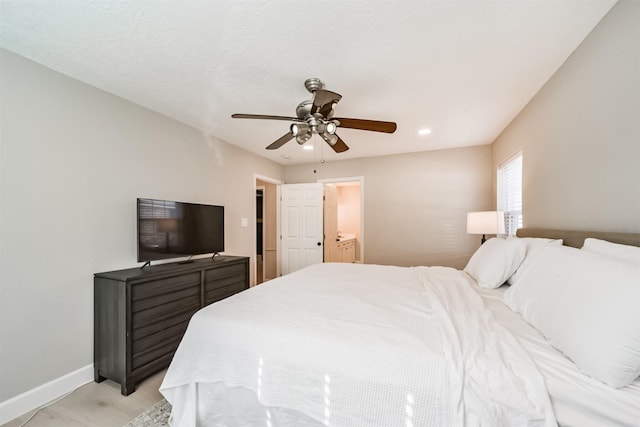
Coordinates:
(301, 227)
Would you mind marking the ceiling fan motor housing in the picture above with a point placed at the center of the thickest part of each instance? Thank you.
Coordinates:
(304, 109)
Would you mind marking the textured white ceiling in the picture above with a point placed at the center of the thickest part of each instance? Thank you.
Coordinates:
(462, 68)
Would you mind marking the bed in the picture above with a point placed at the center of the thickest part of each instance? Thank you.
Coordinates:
(371, 345)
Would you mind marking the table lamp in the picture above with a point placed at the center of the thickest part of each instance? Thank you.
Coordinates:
(487, 222)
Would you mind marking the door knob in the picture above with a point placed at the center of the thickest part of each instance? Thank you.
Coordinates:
(319, 244)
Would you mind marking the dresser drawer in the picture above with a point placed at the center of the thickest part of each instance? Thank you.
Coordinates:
(214, 274)
(151, 288)
(155, 313)
(217, 293)
(220, 283)
(140, 332)
(150, 355)
(150, 347)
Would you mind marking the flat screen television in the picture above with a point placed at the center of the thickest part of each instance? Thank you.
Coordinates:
(169, 229)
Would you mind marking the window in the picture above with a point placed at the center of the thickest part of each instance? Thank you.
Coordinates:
(510, 193)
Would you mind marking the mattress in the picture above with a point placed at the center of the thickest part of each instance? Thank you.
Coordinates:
(354, 345)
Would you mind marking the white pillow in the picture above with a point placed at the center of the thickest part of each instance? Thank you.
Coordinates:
(588, 307)
(495, 261)
(534, 244)
(615, 250)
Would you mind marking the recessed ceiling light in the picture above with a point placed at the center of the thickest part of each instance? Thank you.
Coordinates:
(308, 147)
(424, 131)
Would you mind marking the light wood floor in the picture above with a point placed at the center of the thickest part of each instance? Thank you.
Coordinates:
(96, 405)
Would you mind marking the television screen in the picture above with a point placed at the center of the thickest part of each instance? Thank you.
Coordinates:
(168, 229)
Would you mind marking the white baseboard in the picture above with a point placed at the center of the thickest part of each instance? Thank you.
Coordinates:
(45, 393)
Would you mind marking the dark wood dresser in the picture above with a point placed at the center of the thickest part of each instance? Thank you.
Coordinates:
(140, 315)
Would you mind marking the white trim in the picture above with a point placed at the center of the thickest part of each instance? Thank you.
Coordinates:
(345, 179)
(265, 178)
(43, 394)
(515, 154)
(359, 179)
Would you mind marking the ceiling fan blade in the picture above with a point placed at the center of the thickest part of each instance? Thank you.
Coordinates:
(280, 141)
(339, 146)
(261, 116)
(323, 101)
(373, 125)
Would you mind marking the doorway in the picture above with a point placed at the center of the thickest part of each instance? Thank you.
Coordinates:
(265, 252)
(259, 234)
(271, 221)
(350, 211)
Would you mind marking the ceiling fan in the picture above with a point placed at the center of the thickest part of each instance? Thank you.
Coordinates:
(315, 116)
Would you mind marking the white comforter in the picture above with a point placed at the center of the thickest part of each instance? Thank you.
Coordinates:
(356, 345)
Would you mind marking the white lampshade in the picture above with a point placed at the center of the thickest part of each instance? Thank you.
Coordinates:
(488, 222)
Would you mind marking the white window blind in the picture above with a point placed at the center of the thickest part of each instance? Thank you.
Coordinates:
(510, 193)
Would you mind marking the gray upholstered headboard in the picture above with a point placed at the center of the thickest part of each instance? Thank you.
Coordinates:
(576, 238)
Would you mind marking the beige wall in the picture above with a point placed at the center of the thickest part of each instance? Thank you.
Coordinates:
(580, 135)
(415, 205)
(74, 160)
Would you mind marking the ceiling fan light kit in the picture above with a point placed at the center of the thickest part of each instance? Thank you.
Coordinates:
(315, 116)
(330, 139)
(299, 128)
(301, 131)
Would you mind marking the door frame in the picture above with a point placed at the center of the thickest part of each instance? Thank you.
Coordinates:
(359, 179)
(254, 262)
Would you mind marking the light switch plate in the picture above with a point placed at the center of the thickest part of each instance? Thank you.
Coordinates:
(244, 222)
